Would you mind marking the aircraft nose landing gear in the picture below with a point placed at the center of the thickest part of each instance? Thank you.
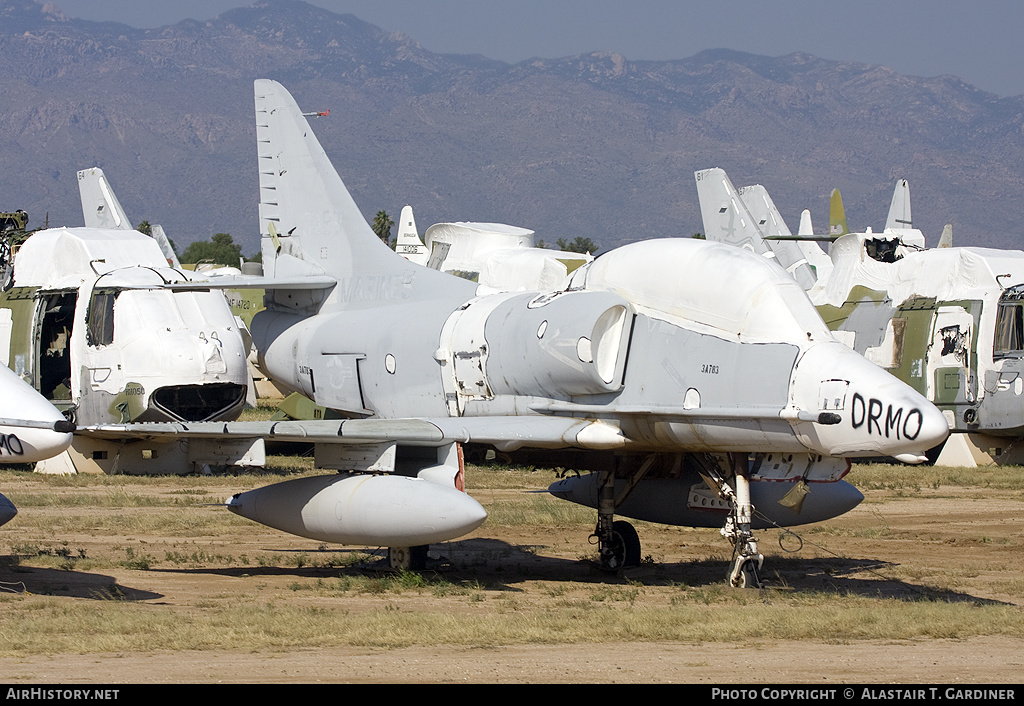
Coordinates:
(746, 561)
(746, 565)
(618, 541)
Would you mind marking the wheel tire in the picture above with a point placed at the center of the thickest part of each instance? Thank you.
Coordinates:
(749, 576)
(627, 544)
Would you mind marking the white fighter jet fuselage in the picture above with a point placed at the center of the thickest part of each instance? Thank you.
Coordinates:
(637, 344)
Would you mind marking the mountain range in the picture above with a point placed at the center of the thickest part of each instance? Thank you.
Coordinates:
(593, 145)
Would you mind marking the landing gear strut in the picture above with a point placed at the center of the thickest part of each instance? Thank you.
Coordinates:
(746, 561)
(618, 542)
(408, 558)
(746, 565)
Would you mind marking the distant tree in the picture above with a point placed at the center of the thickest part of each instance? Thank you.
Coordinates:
(219, 250)
(382, 225)
(580, 244)
(698, 236)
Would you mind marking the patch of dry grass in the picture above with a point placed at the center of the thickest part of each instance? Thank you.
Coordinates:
(123, 531)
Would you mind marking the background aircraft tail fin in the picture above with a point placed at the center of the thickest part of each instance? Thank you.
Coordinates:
(408, 244)
(744, 218)
(156, 231)
(725, 214)
(806, 228)
(789, 253)
(899, 210)
(100, 207)
(946, 239)
(837, 215)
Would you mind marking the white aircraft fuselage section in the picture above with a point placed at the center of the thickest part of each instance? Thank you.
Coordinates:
(110, 341)
(31, 429)
(636, 339)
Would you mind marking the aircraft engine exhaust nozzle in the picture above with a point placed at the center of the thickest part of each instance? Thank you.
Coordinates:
(362, 509)
(7, 510)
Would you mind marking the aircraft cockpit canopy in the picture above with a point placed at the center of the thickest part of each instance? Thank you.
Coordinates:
(685, 279)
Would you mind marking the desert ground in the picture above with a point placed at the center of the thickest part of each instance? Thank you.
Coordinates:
(122, 580)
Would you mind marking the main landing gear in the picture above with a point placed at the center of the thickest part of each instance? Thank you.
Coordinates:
(617, 540)
(619, 544)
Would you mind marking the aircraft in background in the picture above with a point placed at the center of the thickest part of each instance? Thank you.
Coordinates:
(408, 243)
(498, 257)
(639, 369)
(95, 320)
(31, 429)
(744, 218)
(102, 210)
(947, 321)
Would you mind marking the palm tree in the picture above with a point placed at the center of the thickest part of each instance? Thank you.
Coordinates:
(382, 225)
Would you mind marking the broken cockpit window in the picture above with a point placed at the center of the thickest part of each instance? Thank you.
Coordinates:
(1009, 338)
(101, 318)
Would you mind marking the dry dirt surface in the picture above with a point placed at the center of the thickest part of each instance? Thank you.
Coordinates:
(959, 546)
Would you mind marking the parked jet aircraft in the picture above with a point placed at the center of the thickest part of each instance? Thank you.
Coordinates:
(638, 369)
(946, 321)
(31, 429)
(89, 319)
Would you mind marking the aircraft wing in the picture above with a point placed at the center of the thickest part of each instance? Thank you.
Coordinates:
(506, 433)
(254, 282)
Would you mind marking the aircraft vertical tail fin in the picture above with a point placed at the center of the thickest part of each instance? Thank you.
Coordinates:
(899, 209)
(157, 233)
(806, 228)
(100, 207)
(946, 239)
(308, 221)
(899, 221)
(744, 217)
(408, 244)
(309, 224)
(725, 214)
(837, 215)
(789, 254)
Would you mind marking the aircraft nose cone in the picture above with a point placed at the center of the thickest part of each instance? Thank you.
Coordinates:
(932, 430)
(879, 415)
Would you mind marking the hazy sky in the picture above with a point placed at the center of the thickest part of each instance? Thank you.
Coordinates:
(979, 41)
